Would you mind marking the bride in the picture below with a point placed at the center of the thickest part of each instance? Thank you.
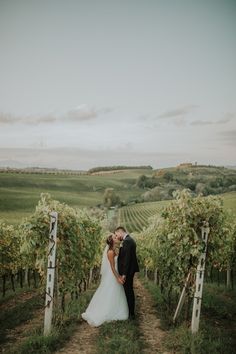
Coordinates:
(109, 301)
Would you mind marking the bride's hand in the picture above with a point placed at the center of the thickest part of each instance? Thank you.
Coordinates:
(120, 280)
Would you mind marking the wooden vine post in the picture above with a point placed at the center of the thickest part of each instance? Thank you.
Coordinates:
(50, 273)
(197, 301)
(182, 298)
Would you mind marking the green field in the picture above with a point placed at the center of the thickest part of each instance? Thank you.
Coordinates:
(230, 201)
(19, 194)
(135, 217)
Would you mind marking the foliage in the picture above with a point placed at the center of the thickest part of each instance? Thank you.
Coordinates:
(78, 241)
(142, 181)
(147, 182)
(199, 179)
(157, 193)
(111, 198)
(135, 216)
(20, 192)
(225, 257)
(114, 168)
(32, 340)
(10, 260)
(172, 243)
(168, 176)
(217, 326)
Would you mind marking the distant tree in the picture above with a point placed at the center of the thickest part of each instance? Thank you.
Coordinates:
(114, 168)
(190, 185)
(155, 194)
(200, 188)
(142, 181)
(232, 188)
(152, 182)
(217, 182)
(170, 192)
(229, 181)
(168, 176)
(111, 198)
(147, 182)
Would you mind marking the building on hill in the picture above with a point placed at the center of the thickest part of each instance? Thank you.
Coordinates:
(185, 164)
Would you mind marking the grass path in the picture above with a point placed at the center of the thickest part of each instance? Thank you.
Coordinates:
(18, 334)
(82, 342)
(19, 316)
(85, 338)
(16, 299)
(149, 323)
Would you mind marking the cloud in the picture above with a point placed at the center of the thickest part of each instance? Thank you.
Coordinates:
(229, 136)
(7, 118)
(177, 116)
(85, 113)
(177, 112)
(144, 117)
(180, 122)
(78, 114)
(81, 115)
(227, 118)
(201, 122)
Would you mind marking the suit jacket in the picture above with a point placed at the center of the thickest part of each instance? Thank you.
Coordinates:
(127, 259)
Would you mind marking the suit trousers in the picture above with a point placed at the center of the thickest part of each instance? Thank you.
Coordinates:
(129, 292)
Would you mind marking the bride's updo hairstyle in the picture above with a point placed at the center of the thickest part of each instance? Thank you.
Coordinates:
(110, 242)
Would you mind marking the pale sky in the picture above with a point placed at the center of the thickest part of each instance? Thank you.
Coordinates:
(110, 82)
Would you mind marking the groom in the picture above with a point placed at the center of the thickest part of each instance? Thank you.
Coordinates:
(127, 266)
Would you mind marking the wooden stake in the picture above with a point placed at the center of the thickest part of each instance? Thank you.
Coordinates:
(50, 273)
(182, 298)
(199, 283)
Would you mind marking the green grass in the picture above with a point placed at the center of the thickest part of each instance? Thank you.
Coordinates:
(19, 193)
(33, 341)
(134, 217)
(217, 332)
(18, 314)
(120, 337)
(10, 294)
(230, 201)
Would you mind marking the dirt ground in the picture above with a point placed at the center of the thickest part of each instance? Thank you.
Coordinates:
(84, 338)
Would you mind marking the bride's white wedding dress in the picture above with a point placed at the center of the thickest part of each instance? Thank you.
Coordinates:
(109, 301)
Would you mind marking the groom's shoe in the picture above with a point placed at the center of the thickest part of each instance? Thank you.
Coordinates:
(132, 317)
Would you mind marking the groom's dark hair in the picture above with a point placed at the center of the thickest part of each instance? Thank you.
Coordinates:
(120, 228)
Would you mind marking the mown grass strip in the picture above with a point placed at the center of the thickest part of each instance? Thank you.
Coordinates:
(63, 328)
(120, 337)
(217, 333)
(22, 312)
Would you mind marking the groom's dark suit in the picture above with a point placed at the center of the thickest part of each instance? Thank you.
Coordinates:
(128, 265)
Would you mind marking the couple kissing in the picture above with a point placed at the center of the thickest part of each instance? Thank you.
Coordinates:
(114, 299)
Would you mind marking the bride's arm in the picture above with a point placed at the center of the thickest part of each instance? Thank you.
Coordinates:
(111, 257)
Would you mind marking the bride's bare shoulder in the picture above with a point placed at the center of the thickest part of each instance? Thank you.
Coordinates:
(110, 254)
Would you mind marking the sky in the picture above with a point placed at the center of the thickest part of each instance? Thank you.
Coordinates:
(117, 82)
